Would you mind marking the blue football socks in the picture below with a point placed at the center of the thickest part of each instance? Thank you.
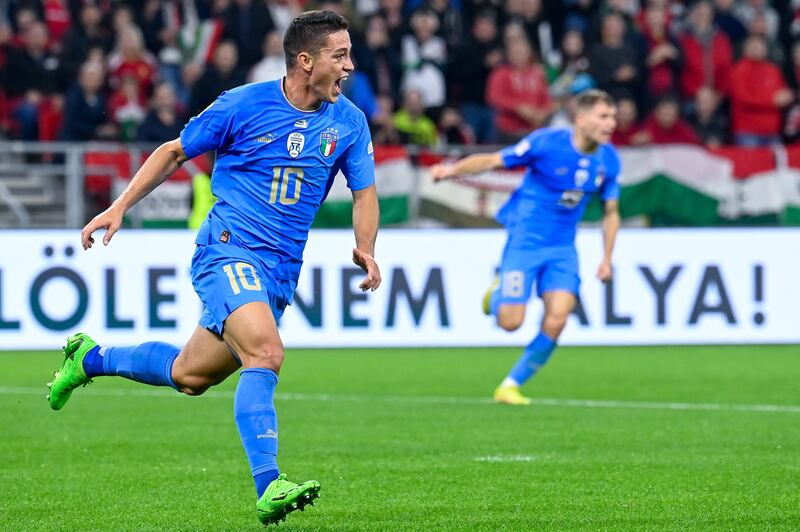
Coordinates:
(534, 357)
(93, 362)
(148, 363)
(257, 423)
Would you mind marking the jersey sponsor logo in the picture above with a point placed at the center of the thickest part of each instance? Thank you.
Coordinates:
(522, 147)
(266, 139)
(327, 141)
(294, 144)
(571, 198)
(581, 177)
(302, 123)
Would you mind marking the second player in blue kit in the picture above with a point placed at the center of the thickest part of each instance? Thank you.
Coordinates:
(564, 169)
(278, 145)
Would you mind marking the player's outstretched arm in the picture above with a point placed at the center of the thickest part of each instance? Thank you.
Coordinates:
(472, 164)
(610, 225)
(365, 224)
(156, 169)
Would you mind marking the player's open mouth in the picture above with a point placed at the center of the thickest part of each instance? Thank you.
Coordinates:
(338, 84)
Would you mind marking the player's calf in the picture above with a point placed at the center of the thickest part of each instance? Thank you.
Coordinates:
(193, 377)
(193, 385)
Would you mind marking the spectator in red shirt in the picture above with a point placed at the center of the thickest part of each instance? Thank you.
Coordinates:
(707, 53)
(130, 59)
(665, 125)
(57, 18)
(127, 107)
(758, 95)
(518, 92)
(628, 131)
(663, 53)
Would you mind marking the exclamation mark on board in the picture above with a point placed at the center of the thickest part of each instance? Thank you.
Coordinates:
(758, 289)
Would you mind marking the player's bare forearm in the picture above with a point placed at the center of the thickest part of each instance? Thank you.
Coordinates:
(161, 164)
(366, 215)
(158, 167)
(610, 227)
(472, 164)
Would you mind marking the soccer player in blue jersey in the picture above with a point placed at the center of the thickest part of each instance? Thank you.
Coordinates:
(279, 145)
(565, 167)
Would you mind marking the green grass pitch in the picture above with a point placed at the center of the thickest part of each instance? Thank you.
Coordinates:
(668, 438)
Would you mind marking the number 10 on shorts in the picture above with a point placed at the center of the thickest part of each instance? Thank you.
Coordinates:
(244, 278)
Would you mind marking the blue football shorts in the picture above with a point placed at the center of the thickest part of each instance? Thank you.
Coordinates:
(226, 277)
(553, 268)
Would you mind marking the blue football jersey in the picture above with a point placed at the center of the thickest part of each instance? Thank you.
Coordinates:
(275, 165)
(558, 184)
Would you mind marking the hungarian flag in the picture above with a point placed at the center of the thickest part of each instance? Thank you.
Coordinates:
(666, 185)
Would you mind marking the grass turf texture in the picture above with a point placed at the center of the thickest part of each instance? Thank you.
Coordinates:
(405, 440)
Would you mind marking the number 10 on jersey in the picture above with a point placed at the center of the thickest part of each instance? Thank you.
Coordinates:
(285, 188)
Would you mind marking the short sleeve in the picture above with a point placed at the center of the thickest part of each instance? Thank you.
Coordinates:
(358, 162)
(609, 189)
(525, 151)
(211, 129)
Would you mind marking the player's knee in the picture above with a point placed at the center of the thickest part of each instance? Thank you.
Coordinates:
(267, 355)
(510, 321)
(553, 324)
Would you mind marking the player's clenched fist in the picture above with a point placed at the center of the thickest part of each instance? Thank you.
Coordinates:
(604, 271)
(440, 172)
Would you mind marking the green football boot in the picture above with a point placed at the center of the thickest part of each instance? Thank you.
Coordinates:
(283, 496)
(487, 297)
(71, 374)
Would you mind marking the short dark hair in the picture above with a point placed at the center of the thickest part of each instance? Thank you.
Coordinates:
(308, 32)
(586, 100)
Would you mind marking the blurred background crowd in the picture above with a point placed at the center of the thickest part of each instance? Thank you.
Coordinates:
(429, 72)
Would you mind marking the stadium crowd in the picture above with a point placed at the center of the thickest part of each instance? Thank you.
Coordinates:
(428, 72)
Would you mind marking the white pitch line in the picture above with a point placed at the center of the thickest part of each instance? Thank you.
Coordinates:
(455, 400)
(505, 458)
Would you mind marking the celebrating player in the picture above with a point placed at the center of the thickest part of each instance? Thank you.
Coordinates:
(565, 167)
(279, 146)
